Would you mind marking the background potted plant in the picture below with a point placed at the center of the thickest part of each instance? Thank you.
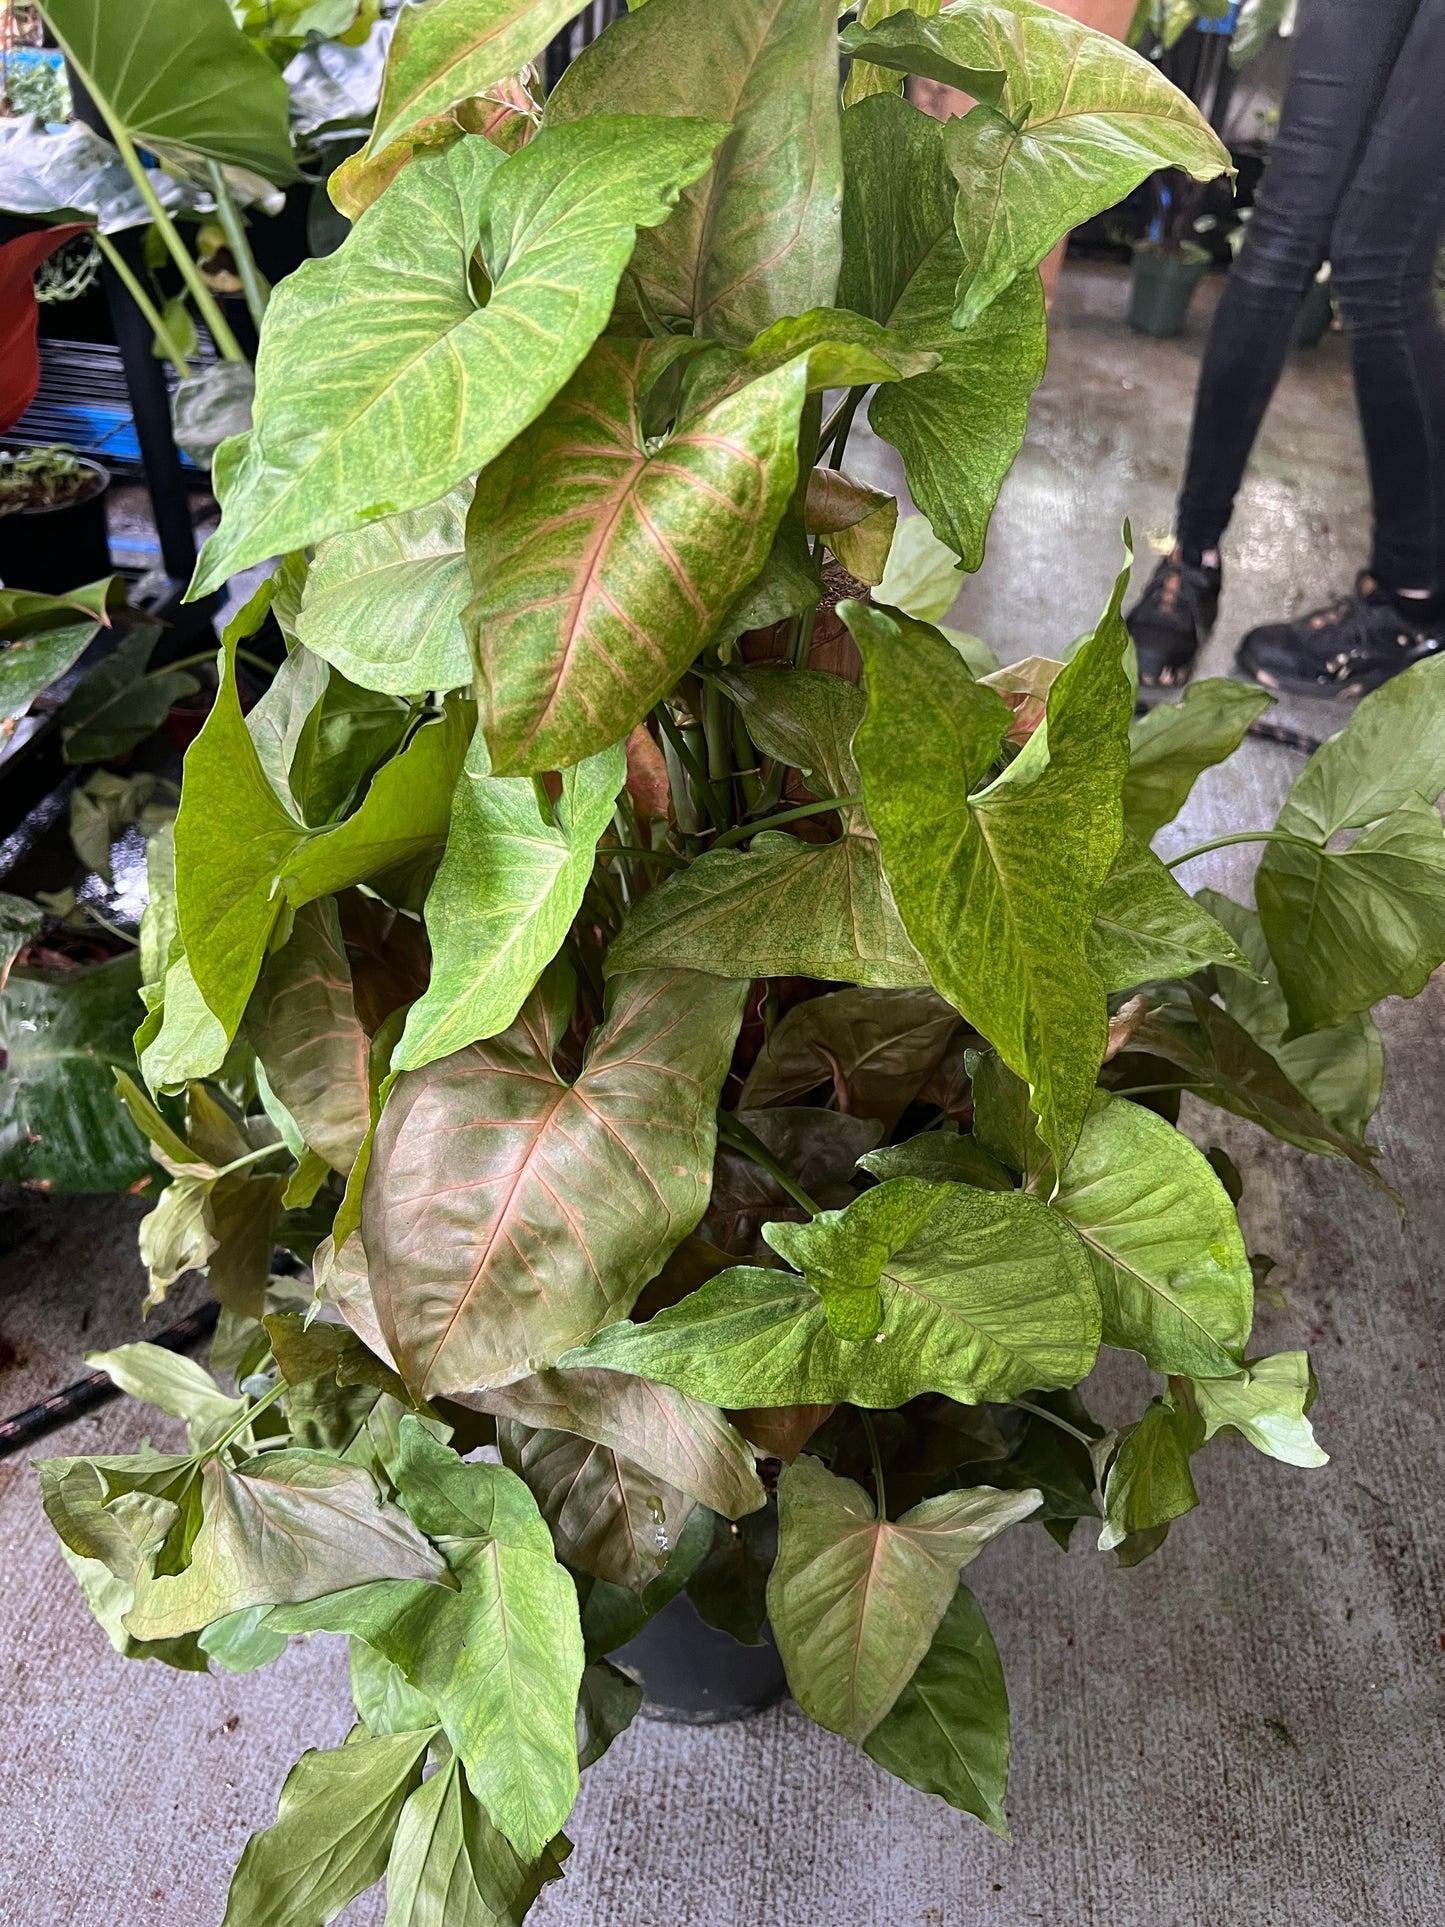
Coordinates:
(53, 533)
(715, 1039)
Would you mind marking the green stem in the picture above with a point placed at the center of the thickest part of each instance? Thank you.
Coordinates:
(746, 762)
(173, 350)
(1041, 1411)
(227, 345)
(730, 1131)
(688, 756)
(879, 1492)
(247, 1418)
(254, 285)
(839, 426)
(113, 928)
(745, 830)
(803, 638)
(1241, 836)
(682, 797)
(251, 1157)
(208, 656)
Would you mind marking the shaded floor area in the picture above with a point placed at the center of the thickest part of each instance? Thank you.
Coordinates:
(1245, 1730)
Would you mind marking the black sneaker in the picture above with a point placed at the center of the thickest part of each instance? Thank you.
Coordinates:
(1171, 620)
(1342, 651)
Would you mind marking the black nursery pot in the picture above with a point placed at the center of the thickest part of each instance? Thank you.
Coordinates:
(51, 550)
(694, 1675)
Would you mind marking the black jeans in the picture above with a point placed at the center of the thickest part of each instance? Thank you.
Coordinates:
(1356, 178)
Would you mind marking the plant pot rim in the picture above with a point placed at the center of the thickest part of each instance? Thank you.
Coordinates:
(96, 468)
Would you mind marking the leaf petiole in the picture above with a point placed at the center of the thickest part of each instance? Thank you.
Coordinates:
(731, 1132)
(1241, 836)
(745, 830)
(1042, 1411)
(880, 1494)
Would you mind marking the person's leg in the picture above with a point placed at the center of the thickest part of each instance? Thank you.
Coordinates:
(1343, 56)
(1383, 250)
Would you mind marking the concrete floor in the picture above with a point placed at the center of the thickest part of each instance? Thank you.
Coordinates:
(1242, 1732)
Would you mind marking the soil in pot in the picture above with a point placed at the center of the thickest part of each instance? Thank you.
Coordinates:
(53, 531)
(693, 1675)
(1164, 286)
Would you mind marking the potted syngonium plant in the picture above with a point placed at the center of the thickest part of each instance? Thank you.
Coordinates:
(715, 1041)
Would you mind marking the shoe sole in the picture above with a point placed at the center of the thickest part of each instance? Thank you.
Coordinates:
(1285, 685)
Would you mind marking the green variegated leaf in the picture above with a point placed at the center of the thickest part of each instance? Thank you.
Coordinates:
(855, 1600)
(381, 382)
(1168, 1256)
(450, 50)
(1340, 1070)
(509, 1213)
(605, 559)
(865, 79)
(333, 1832)
(991, 1295)
(1149, 1483)
(41, 636)
(947, 1732)
(999, 881)
(384, 603)
(757, 237)
(1171, 747)
(1149, 926)
(1080, 121)
(1265, 1403)
(509, 885)
(958, 428)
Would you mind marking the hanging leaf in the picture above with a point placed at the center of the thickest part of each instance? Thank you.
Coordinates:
(449, 1866)
(959, 428)
(999, 882)
(948, 1732)
(509, 886)
(1340, 1070)
(180, 78)
(1347, 927)
(1149, 1483)
(1168, 1256)
(605, 558)
(991, 1295)
(757, 236)
(333, 1832)
(1265, 1403)
(855, 1600)
(384, 604)
(1079, 123)
(1171, 747)
(422, 385)
(496, 1240)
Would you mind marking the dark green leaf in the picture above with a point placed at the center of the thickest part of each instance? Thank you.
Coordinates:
(942, 1157)
(607, 1704)
(948, 1731)
(117, 705)
(876, 1048)
(42, 635)
(1149, 1482)
(729, 1587)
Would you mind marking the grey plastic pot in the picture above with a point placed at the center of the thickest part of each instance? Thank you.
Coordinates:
(694, 1675)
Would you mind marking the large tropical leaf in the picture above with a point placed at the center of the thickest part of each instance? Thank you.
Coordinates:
(501, 1657)
(1080, 122)
(855, 1600)
(757, 237)
(291, 1525)
(689, 1445)
(606, 559)
(384, 603)
(947, 1732)
(333, 1831)
(63, 1036)
(1171, 747)
(959, 428)
(1168, 1256)
(1347, 927)
(309, 1039)
(180, 78)
(1340, 1070)
(990, 1293)
(450, 50)
(510, 1212)
(382, 380)
(999, 882)
(785, 907)
(509, 885)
